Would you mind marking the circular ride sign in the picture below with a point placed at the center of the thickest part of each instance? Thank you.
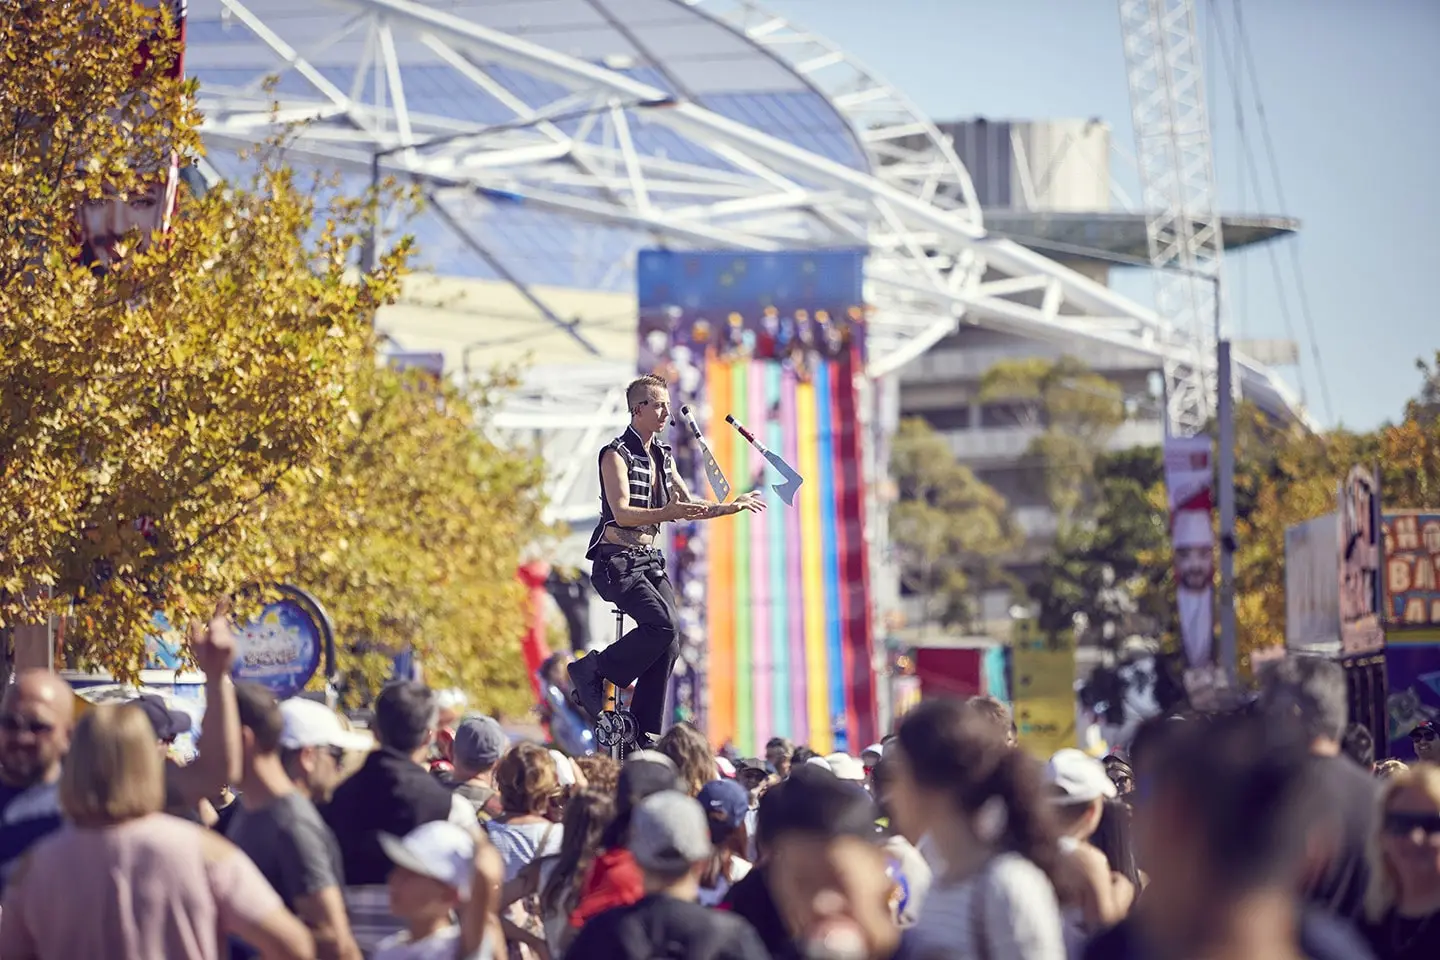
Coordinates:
(281, 649)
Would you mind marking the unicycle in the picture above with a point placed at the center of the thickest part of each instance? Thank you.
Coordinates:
(616, 729)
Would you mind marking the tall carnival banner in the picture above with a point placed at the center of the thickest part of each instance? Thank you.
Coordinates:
(1189, 483)
(1410, 616)
(774, 608)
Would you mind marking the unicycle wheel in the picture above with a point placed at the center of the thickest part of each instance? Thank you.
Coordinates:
(610, 729)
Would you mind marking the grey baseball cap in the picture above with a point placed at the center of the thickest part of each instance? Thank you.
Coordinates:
(669, 833)
(479, 743)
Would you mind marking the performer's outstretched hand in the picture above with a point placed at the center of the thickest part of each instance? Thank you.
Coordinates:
(681, 511)
(754, 501)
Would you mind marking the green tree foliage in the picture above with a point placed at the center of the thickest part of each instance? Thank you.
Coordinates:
(176, 388)
(1127, 534)
(412, 530)
(950, 528)
(219, 385)
(1076, 412)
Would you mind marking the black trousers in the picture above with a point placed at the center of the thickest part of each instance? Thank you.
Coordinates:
(634, 580)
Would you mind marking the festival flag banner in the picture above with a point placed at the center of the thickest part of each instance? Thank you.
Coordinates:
(1189, 484)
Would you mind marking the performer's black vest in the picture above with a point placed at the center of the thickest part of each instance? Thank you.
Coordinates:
(647, 487)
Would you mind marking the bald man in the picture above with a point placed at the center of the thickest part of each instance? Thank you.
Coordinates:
(36, 715)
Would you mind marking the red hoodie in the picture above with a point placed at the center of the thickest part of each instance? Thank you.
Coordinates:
(615, 881)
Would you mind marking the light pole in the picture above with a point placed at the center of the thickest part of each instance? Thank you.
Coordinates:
(372, 245)
(1225, 430)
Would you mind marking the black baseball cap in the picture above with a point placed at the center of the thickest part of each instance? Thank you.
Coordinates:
(1422, 726)
(168, 723)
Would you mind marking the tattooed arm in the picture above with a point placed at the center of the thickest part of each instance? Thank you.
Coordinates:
(680, 491)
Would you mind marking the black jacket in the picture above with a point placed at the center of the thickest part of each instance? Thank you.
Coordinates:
(390, 794)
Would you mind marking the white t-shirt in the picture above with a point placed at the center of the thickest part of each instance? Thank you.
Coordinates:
(712, 896)
(1017, 914)
(442, 945)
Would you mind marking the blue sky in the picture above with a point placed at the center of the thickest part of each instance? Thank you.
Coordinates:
(1352, 95)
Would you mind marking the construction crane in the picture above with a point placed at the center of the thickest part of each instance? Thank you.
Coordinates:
(1177, 179)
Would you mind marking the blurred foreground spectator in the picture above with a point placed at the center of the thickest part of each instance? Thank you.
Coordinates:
(1403, 904)
(122, 879)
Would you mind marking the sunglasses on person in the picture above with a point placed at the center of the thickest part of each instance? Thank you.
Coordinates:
(1424, 733)
(1399, 824)
(13, 724)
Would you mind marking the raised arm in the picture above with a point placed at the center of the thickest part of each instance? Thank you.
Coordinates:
(616, 479)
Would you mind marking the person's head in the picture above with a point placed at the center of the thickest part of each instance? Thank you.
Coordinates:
(36, 716)
(778, 753)
(406, 715)
(1120, 774)
(313, 744)
(526, 780)
(433, 868)
(113, 772)
(449, 706)
(260, 724)
(1194, 550)
(846, 767)
(1359, 745)
(1425, 738)
(168, 724)
(1078, 787)
(648, 398)
(751, 774)
(670, 842)
(479, 743)
(1406, 854)
(825, 868)
(994, 712)
(640, 777)
(1311, 693)
(872, 755)
(956, 779)
(690, 751)
(726, 803)
(1229, 809)
(587, 815)
(602, 773)
(801, 756)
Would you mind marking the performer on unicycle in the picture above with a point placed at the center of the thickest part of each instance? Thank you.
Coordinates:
(641, 490)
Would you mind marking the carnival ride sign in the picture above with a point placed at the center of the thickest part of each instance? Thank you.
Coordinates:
(1412, 554)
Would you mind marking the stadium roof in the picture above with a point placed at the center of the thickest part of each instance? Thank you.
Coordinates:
(553, 139)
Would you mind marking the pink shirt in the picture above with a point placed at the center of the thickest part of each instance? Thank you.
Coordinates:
(135, 891)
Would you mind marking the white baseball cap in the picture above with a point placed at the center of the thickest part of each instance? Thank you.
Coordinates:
(564, 769)
(312, 724)
(1078, 777)
(439, 850)
(819, 762)
(845, 766)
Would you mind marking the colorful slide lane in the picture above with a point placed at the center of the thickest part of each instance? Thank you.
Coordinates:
(787, 592)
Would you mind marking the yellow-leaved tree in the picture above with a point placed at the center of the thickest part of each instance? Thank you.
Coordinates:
(154, 390)
(410, 532)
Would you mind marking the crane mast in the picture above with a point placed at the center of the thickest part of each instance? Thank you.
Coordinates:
(1177, 179)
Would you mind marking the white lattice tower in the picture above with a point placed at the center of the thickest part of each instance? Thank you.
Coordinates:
(1177, 177)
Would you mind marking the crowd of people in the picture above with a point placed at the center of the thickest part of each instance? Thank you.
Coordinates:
(1252, 833)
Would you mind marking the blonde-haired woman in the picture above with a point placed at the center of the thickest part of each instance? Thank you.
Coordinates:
(1402, 906)
(123, 880)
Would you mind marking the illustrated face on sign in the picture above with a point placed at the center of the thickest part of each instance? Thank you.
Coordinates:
(1195, 566)
(108, 222)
